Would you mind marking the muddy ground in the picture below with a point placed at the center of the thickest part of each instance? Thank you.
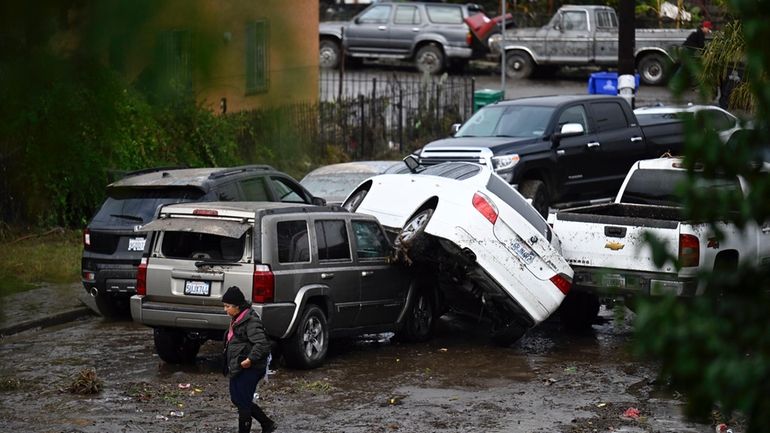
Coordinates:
(551, 381)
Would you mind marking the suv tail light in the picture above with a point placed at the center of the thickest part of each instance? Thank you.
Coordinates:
(563, 283)
(263, 285)
(469, 38)
(86, 238)
(689, 250)
(141, 277)
(484, 205)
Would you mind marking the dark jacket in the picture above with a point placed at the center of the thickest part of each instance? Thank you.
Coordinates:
(696, 39)
(249, 341)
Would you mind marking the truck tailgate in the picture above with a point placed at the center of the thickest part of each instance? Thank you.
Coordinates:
(609, 241)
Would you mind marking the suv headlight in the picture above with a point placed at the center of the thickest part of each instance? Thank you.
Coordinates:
(503, 165)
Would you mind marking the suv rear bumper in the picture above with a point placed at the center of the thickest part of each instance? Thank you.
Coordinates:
(276, 318)
(113, 278)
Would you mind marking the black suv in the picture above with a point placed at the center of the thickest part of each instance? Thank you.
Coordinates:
(112, 246)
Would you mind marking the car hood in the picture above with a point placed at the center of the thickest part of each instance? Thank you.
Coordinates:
(498, 145)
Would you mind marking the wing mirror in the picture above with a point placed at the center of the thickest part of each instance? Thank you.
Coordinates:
(318, 201)
(454, 128)
(412, 163)
(567, 130)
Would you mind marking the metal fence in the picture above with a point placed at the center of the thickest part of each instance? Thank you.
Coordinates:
(372, 114)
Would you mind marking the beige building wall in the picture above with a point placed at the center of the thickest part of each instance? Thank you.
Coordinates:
(218, 29)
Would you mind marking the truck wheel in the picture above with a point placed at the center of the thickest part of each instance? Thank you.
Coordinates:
(429, 59)
(652, 69)
(307, 347)
(419, 322)
(174, 347)
(518, 65)
(329, 52)
(579, 310)
(537, 192)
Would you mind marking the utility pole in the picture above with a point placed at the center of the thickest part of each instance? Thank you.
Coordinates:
(626, 46)
(502, 54)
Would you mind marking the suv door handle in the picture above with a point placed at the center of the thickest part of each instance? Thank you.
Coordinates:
(366, 273)
(415, 29)
(382, 28)
(593, 144)
(635, 139)
(327, 275)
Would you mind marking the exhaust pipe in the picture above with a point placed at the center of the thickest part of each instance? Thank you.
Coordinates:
(94, 292)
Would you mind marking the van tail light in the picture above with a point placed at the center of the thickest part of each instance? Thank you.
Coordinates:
(689, 250)
(469, 38)
(485, 206)
(263, 285)
(86, 238)
(562, 283)
(141, 277)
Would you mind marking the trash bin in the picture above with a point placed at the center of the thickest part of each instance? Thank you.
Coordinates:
(485, 97)
(606, 83)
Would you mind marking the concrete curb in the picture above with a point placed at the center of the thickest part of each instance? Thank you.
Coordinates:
(53, 319)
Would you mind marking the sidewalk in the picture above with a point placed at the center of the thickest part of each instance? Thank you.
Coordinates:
(41, 307)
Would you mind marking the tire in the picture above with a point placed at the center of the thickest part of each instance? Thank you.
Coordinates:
(414, 229)
(538, 193)
(329, 54)
(174, 347)
(579, 310)
(355, 200)
(420, 319)
(518, 65)
(110, 307)
(429, 59)
(306, 348)
(653, 69)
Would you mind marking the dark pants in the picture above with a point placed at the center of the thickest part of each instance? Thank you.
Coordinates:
(242, 388)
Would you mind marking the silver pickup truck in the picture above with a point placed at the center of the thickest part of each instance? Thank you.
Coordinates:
(432, 35)
(583, 36)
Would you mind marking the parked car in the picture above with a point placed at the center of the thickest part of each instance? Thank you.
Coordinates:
(557, 148)
(311, 272)
(112, 246)
(720, 120)
(432, 35)
(491, 252)
(606, 244)
(335, 181)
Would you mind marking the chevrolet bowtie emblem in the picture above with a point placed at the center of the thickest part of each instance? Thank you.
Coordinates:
(614, 246)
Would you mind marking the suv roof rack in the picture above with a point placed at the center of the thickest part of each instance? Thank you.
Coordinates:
(240, 169)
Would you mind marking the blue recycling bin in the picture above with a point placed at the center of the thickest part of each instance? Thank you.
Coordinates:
(606, 83)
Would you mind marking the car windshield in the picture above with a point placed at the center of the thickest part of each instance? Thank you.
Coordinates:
(507, 121)
(133, 206)
(333, 187)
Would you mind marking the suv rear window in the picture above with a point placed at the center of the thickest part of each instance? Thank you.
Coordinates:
(187, 245)
(132, 206)
(293, 242)
(444, 14)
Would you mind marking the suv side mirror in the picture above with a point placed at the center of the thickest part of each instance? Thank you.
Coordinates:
(454, 128)
(318, 201)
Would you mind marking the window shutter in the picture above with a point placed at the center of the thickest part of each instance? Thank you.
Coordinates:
(256, 57)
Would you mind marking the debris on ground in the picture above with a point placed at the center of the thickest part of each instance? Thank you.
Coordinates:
(632, 413)
(86, 382)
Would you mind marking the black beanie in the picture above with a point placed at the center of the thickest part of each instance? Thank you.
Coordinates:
(233, 296)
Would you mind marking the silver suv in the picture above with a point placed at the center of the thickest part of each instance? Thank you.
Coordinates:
(311, 272)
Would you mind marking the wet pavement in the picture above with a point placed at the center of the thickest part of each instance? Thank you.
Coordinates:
(43, 306)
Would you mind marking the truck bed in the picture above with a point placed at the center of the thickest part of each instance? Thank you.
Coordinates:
(639, 215)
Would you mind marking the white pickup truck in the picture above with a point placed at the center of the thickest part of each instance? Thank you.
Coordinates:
(605, 244)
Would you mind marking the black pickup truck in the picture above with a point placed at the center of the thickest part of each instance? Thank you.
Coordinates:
(557, 148)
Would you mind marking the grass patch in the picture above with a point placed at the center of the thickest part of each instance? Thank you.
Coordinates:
(31, 258)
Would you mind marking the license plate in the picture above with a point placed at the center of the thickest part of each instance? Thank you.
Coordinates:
(523, 252)
(614, 281)
(197, 288)
(136, 244)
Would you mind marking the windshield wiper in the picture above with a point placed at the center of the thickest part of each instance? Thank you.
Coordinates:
(216, 262)
(128, 217)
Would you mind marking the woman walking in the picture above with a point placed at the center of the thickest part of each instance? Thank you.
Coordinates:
(246, 354)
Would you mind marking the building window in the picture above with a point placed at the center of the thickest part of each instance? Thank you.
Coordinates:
(175, 63)
(257, 56)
